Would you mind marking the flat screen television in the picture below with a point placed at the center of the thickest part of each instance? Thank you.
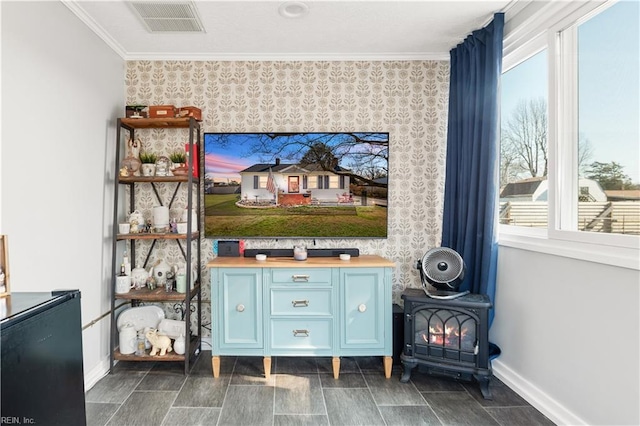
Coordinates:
(296, 185)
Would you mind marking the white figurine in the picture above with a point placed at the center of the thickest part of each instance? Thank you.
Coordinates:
(134, 148)
(158, 342)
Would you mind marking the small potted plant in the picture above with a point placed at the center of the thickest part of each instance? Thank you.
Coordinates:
(148, 160)
(179, 159)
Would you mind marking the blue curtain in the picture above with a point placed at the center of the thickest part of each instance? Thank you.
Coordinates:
(472, 161)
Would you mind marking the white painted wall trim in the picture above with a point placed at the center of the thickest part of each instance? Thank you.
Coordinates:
(94, 375)
(535, 396)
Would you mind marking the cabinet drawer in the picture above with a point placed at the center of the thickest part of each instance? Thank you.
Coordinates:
(301, 335)
(301, 301)
(301, 276)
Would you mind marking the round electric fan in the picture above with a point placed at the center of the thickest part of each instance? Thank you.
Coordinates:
(442, 268)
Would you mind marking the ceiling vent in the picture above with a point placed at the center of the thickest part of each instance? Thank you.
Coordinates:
(168, 16)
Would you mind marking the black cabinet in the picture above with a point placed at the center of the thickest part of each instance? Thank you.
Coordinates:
(42, 371)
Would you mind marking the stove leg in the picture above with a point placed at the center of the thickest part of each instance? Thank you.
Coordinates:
(408, 366)
(484, 381)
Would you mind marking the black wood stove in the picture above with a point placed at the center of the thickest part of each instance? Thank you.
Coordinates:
(447, 337)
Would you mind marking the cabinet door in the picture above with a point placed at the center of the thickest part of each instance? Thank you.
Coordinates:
(362, 308)
(238, 308)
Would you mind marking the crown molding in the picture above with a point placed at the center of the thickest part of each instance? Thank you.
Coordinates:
(95, 27)
(391, 56)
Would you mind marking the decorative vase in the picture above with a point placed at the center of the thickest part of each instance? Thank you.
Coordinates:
(160, 218)
(179, 345)
(148, 169)
(194, 218)
(127, 339)
(132, 164)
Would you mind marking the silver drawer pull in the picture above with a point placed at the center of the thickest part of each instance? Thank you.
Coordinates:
(240, 307)
(300, 303)
(300, 333)
(362, 307)
(304, 278)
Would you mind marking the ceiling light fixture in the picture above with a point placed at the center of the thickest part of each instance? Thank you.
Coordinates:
(293, 9)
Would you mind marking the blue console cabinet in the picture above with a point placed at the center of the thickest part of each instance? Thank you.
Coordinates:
(318, 307)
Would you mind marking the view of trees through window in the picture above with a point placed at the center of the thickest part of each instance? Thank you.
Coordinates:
(524, 156)
(607, 134)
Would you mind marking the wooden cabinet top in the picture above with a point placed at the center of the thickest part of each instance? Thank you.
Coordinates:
(362, 261)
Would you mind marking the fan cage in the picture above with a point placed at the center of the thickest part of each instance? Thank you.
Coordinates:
(443, 268)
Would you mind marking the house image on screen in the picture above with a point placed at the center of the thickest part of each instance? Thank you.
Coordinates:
(294, 184)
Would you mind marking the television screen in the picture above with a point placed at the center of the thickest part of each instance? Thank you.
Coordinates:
(296, 185)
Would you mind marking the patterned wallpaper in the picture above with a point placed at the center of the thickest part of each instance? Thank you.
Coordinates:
(408, 99)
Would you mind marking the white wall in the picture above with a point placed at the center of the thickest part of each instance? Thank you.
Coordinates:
(62, 89)
(569, 331)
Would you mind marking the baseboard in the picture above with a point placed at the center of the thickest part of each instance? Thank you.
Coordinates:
(535, 396)
(98, 372)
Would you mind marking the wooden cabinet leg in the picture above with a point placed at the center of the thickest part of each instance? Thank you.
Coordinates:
(336, 366)
(215, 365)
(267, 367)
(388, 362)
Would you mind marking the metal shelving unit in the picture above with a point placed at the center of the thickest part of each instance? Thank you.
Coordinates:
(193, 297)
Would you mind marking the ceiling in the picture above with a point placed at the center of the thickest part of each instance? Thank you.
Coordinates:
(327, 30)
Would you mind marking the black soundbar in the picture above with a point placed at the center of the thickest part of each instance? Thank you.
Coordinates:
(336, 252)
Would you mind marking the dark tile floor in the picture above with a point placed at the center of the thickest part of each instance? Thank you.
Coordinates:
(301, 391)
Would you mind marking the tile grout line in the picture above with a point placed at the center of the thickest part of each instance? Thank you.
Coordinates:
(128, 396)
(224, 400)
(177, 395)
(275, 389)
(477, 402)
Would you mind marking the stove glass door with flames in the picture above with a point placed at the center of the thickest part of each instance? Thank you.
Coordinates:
(446, 334)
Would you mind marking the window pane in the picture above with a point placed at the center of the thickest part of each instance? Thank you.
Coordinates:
(523, 145)
(334, 181)
(312, 182)
(608, 117)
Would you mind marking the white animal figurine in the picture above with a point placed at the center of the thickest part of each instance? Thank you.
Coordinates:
(158, 342)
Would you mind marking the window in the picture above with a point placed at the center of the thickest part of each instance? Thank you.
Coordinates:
(328, 182)
(607, 121)
(576, 188)
(524, 144)
(263, 182)
(312, 182)
(334, 181)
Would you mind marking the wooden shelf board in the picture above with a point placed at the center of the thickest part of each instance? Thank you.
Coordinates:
(157, 295)
(157, 123)
(155, 179)
(170, 356)
(154, 236)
